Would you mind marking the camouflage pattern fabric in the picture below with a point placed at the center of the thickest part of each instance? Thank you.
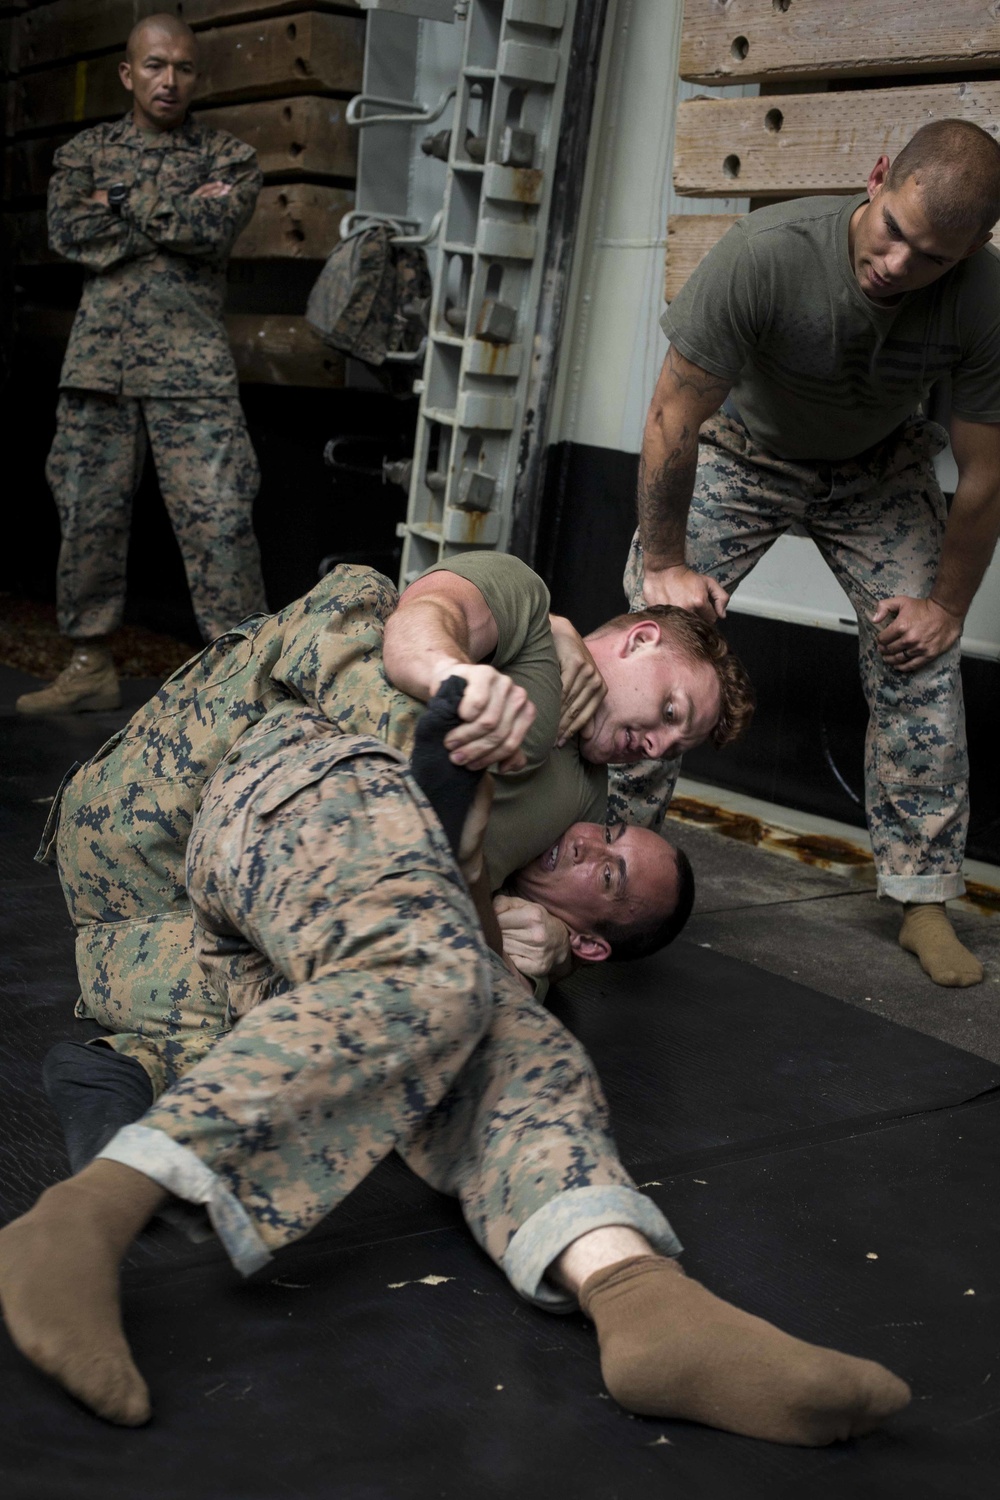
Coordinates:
(367, 1014)
(120, 825)
(878, 521)
(150, 317)
(208, 477)
(364, 300)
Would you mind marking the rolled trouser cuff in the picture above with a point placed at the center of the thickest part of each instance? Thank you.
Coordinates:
(921, 888)
(552, 1228)
(184, 1174)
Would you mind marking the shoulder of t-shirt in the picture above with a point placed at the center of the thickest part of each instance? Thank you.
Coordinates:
(515, 596)
(981, 271)
(795, 213)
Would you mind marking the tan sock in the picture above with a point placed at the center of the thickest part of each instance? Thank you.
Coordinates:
(927, 932)
(669, 1348)
(59, 1286)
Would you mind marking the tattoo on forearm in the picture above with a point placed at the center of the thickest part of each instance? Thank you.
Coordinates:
(666, 482)
(664, 497)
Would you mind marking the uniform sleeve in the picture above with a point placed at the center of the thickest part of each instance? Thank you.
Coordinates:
(975, 380)
(87, 233)
(200, 227)
(714, 320)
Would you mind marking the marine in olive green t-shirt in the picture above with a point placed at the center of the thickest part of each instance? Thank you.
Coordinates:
(533, 807)
(816, 369)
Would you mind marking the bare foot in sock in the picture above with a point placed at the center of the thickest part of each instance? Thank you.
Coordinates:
(669, 1348)
(928, 933)
(59, 1287)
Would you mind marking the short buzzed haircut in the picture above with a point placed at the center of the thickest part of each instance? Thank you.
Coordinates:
(699, 642)
(172, 25)
(957, 167)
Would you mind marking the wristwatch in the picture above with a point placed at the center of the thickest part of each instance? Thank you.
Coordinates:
(117, 195)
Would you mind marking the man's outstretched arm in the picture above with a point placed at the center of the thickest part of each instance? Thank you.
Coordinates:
(441, 628)
(685, 396)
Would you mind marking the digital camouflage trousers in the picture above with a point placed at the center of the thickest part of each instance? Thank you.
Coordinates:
(367, 1015)
(878, 522)
(208, 477)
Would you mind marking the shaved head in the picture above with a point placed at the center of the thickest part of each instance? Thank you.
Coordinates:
(166, 25)
(956, 165)
(160, 71)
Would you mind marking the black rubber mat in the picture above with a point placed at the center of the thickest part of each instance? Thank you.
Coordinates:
(826, 1169)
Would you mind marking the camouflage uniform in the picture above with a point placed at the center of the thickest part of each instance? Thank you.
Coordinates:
(120, 824)
(149, 364)
(341, 942)
(878, 520)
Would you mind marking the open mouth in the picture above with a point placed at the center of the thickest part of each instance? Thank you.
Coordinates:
(551, 859)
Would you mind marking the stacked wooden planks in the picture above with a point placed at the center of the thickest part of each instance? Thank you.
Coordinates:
(276, 73)
(822, 118)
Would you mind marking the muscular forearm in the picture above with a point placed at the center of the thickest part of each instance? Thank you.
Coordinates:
(685, 396)
(969, 539)
(667, 467)
(423, 639)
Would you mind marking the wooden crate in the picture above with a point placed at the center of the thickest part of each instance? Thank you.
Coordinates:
(778, 146)
(307, 53)
(689, 239)
(746, 41)
(305, 136)
(299, 220)
(273, 350)
(299, 137)
(73, 28)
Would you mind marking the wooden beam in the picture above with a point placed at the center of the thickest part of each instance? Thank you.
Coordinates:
(300, 221)
(746, 41)
(268, 349)
(689, 239)
(305, 136)
(781, 145)
(71, 28)
(271, 350)
(306, 54)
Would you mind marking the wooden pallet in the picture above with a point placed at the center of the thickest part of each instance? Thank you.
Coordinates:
(757, 41)
(778, 146)
(792, 140)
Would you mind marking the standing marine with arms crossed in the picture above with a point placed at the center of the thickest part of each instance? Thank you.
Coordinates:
(150, 206)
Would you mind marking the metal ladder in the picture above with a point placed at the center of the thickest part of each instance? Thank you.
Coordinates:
(500, 152)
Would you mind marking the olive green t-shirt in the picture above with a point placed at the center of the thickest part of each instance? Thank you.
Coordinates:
(531, 808)
(818, 370)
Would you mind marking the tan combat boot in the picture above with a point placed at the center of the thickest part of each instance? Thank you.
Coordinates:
(89, 682)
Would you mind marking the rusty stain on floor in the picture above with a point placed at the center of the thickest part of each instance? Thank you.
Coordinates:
(817, 849)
